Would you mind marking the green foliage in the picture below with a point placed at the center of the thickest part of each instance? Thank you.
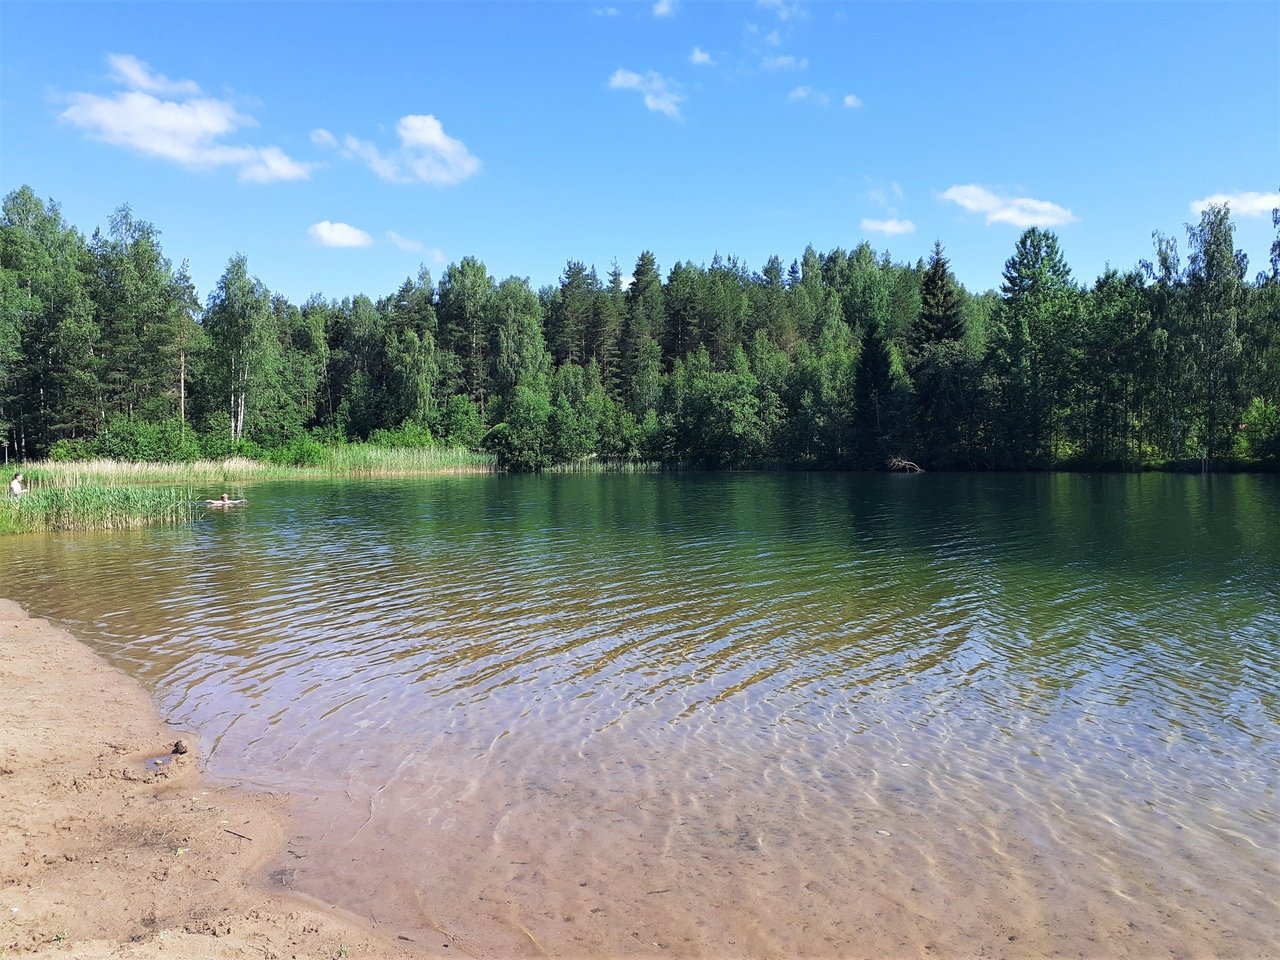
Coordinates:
(879, 394)
(408, 434)
(299, 451)
(460, 423)
(941, 314)
(839, 359)
(716, 412)
(1034, 344)
(1215, 302)
(520, 442)
(133, 439)
(1259, 436)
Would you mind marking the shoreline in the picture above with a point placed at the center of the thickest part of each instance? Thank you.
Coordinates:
(115, 847)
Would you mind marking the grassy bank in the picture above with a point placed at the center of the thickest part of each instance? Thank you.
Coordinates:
(114, 494)
(360, 460)
(95, 507)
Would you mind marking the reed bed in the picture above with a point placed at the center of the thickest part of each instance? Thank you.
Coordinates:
(73, 473)
(353, 460)
(95, 507)
(595, 465)
(366, 460)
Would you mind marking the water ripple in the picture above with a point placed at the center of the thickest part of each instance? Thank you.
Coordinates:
(749, 689)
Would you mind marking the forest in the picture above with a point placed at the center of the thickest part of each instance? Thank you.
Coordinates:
(839, 360)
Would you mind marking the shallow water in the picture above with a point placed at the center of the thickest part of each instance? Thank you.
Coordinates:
(732, 715)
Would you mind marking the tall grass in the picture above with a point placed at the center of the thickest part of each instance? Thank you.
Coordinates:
(95, 507)
(72, 473)
(595, 465)
(366, 460)
(350, 460)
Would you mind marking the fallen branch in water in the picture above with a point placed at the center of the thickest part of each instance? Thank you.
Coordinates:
(897, 463)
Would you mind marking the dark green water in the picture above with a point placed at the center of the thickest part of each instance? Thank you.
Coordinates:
(742, 715)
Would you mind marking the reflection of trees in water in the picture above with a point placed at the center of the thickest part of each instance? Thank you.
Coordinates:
(710, 586)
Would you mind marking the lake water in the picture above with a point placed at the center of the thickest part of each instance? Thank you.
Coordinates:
(732, 715)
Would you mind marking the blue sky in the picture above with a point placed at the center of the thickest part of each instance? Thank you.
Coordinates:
(340, 145)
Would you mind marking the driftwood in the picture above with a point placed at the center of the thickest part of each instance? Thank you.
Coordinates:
(897, 463)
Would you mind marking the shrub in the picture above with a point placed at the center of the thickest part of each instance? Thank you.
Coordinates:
(408, 434)
(70, 451)
(1259, 436)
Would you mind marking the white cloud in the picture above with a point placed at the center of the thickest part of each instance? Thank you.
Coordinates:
(701, 57)
(605, 11)
(404, 243)
(1242, 204)
(426, 153)
(1018, 211)
(890, 228)
(781, 8)
(773, 38)
(664, 8)
(189, 132)
(329, 234)
(268, 164)
(852, 102)
(881, 197)
(653, 87)
(136, 75)
(436, 256)
(808, 93)
(785, 62)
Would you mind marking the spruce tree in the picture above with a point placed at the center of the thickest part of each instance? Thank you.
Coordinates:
(941, 309)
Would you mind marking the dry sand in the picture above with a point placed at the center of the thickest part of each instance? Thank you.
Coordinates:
(110, 844)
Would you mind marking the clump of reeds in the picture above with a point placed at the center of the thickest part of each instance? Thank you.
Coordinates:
(597, 465)
(95, 507)
(346, 460)
(366, 460)
(50, 473)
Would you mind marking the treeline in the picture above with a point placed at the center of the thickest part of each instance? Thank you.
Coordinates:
(842, 359)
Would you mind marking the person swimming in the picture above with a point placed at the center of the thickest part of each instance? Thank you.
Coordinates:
(225, 501)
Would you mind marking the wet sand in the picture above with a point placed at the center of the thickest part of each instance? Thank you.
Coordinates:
(112, 846)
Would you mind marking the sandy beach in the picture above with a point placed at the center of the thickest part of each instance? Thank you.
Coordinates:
(111, 844)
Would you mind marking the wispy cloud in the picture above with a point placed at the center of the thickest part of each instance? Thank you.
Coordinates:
(1248, 204)
(785, 62)
(1018, 211)
(809, 94)
(701, 58)
(881, 195)
(190, 131)
(890, 228)
(782, 9)
(426, 153)
(664, 8)
(653, 87)
(605, 11)
(404, 243)
(852, 101)
(128, 70)
(773, 38)
(330, 234)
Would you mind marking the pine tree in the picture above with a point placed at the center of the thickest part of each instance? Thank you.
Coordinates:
(941, 307)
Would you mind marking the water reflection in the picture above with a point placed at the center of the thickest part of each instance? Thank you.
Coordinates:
(941, 706)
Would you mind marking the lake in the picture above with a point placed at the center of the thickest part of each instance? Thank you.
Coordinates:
(731, 715)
